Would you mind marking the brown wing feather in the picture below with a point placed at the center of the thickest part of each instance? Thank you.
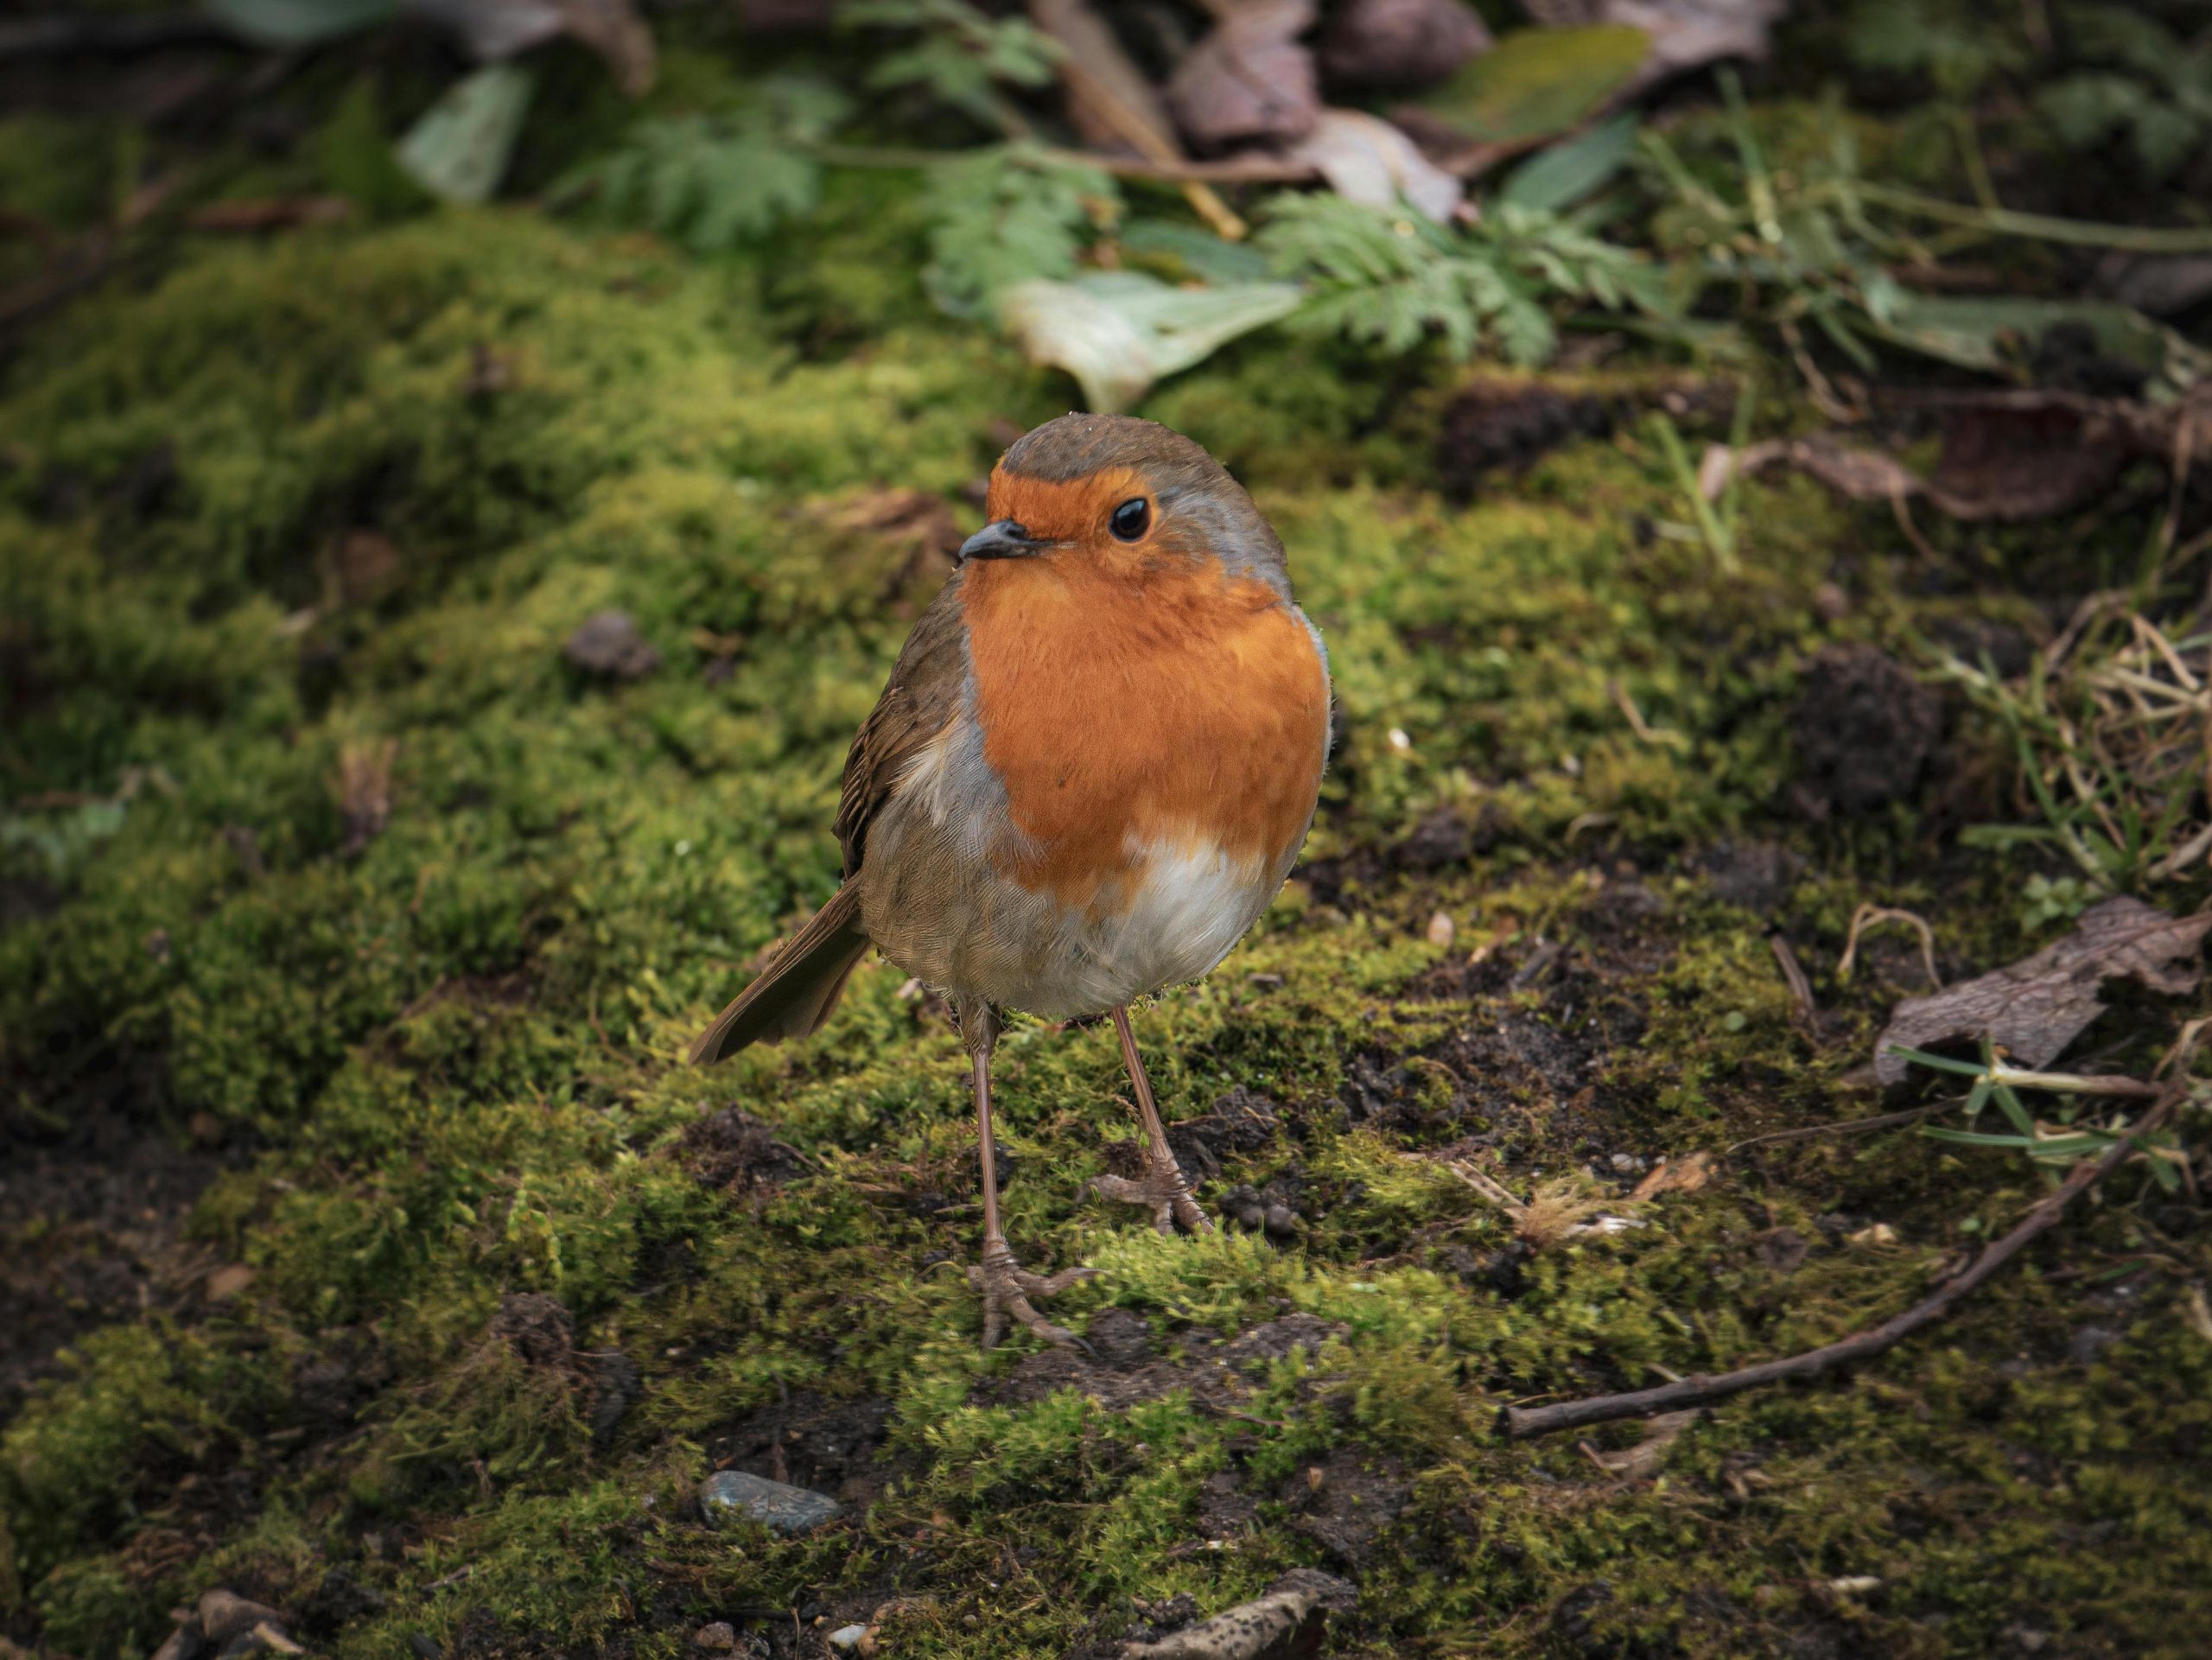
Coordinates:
(794, 994)
(924, 694)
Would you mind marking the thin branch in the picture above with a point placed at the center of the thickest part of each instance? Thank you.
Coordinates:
(1800, 989)
(1838, 1127)
(2005, 221)
(1231, 169)
(1520, 1423)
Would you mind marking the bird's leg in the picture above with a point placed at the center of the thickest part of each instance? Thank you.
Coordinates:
(1005, 1285)
(1161, 1186)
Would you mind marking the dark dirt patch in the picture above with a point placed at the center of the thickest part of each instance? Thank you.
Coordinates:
(1754, 876)
(1127, 1366)
(1503, 426)
(1344, 1504)
(1865, 731)
(331, 1386)
(732, 1151)
(1241, 1121)
(88, 1233)
(538, 1328)
(26, 898)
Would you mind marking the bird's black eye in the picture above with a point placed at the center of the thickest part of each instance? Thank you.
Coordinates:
(1131, 519)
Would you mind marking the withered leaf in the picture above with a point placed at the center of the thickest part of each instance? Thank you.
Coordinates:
(1249, 81)
(2033, 1008)
(1683, 1175)
(1367, 160)
(1399, 44)
(2007, 462)
(1644, 1459)
(2017, 464)
(1685, 33)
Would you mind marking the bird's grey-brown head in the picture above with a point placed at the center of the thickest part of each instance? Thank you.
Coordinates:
(1114, 487)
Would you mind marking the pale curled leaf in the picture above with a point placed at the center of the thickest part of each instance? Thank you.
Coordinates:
(494, 30)
(1367, 160)
(1117, 331)
(459, 151)
(2033, 1008)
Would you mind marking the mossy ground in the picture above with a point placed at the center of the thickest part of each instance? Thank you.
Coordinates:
(433, 1071)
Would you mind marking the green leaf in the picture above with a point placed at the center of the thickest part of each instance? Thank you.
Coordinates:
(1395, 280)
(1536, 82)
(1004, 216)
(1199, 254)
(459, 151)
(714, 181)
(2164, 137)
(1572, 169)
(1940, 1063)
(1991, 332)
(2085, 110)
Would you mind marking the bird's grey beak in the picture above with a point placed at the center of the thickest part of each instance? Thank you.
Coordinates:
(1003, 539)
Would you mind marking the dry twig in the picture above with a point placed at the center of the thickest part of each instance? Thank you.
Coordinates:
(1520, 1423)
(1868, 916)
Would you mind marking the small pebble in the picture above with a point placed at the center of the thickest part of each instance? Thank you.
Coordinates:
(720, 1636)
(849, 1636)
(780, 1505)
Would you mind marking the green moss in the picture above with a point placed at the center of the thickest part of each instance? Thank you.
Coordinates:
(451, 1052)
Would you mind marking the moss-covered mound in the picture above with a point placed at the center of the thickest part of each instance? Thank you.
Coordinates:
(412, 1285)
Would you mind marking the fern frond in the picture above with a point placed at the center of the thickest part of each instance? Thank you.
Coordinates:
(1007, 214)
(1394, 279)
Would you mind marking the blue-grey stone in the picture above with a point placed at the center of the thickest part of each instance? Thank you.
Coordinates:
(786, 1508)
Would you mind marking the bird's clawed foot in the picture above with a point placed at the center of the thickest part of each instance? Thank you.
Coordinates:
(1162, 1190)
(1008, 1286)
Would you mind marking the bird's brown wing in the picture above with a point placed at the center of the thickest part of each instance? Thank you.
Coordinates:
(923, 695)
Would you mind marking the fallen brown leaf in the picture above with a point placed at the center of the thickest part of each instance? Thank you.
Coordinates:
(2010, 465)
(227, 1281)
(1684, 34)
(1114, 107)
(2008, 456)
(2033, 1008)
(1682, 1175)
(1398, 45)
(363, 788)
(1249, 81)
(1660, 1433)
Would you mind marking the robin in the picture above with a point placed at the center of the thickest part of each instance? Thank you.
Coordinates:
(1095, 762)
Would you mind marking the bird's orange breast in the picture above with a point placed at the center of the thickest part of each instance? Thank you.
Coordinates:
(1179, 708)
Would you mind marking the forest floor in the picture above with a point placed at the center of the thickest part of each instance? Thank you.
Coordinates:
(370, 1251)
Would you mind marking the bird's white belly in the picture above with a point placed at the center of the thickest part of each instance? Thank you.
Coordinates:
(1182, 911)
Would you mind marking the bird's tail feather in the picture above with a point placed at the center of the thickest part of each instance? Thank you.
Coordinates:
(793, 995)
